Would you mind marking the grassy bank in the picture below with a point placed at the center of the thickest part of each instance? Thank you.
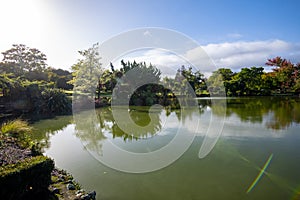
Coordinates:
(26, 174)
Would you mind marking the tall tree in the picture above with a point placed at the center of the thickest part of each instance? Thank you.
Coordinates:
(21, 58)
(87, 71)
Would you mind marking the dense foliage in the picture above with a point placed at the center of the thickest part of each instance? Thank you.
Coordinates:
(142, 83)
(283, 79)
(29, 87)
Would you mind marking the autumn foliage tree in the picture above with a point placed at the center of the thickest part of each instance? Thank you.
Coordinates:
(286, 74)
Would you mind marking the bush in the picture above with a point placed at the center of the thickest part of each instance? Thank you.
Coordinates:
(16, 127)
(31, 176)
(19, 130)
(55, 102)
(38, 100)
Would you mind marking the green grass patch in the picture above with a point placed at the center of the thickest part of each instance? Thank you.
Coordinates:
(19, 130)
(15, 127)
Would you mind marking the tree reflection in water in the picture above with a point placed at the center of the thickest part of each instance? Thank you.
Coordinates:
(278, 112)
(94, 126)
(285, 113)
(44, 129)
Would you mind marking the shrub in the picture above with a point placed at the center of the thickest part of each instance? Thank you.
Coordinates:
(19, 130)
(55, 102)
(33, 175)
(16, 127)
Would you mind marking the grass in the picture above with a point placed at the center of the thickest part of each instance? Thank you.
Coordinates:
(15, 127)
(19, 130)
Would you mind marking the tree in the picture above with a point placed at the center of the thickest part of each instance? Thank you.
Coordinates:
(219, 79)
(7, 84)
(247, 82)
(195, 79)
(107, 81)
(87, 71)
(21, 59)
(286, 73)
(139, 74)
(60, 78)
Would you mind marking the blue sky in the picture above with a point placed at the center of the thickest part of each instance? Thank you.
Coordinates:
(233, 33)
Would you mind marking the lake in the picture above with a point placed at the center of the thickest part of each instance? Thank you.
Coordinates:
(238, 148)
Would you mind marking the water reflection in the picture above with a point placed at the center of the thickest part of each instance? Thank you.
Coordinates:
(92, 128)
(285, 113)
(150, 121)
(274, 112)
(149, 118)
(90, 132)
(44, 129)
(258, 127)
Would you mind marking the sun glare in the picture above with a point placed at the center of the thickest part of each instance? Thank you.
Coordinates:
(21, 21)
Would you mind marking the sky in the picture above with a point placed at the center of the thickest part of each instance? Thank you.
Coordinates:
(234, 34)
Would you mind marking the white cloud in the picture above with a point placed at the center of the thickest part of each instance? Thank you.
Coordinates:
(208, 58)
(246, 54)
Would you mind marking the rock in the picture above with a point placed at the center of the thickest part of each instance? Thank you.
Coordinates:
(60, 180)
(89, 196)
(79, 191)
(61, 176)
(55, 191)
(78, 195)
(92, 195)
(69, 181)
(85, 197)
(70, 186)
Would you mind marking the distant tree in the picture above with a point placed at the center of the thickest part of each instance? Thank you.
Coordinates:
(195, 79)
(7, 84)
(60, 78)
(20, 59)
(87, 71)
(297, 75)
(36, 76)
(269, 82)
(107, 81)
(147, 93)
(246, 82)
(219, 79)
(286, 74)
(144, 70)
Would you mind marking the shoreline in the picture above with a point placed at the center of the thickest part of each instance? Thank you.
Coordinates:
(62, 185)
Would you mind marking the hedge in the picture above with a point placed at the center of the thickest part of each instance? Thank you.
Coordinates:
(30, 176)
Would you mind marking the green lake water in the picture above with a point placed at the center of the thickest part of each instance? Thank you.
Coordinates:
(256, 156)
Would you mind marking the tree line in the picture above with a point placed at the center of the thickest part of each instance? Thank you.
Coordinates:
(24, 74)
(283, 79)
